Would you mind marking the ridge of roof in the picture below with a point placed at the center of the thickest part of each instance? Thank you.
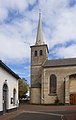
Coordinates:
(60, 62)
(9, 70)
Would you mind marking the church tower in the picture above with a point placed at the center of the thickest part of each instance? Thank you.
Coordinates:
(39, 54)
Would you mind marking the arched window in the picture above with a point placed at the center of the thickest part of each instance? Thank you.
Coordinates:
(14, 96)
(53, 84)
(41, 52)
(5, 87)
(5, 97)
(35, 53)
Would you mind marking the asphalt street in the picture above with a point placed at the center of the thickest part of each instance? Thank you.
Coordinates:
(41, 112)
(39, 116)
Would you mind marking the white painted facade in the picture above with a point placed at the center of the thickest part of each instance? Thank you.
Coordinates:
(12, 83)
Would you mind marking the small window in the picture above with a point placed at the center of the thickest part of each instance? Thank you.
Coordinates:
(35, 53)
(41, 52)
(53, 84)
(14, 96)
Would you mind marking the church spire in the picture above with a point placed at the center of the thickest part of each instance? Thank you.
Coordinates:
(39, 38)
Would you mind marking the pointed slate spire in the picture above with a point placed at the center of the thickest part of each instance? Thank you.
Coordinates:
(39, 38)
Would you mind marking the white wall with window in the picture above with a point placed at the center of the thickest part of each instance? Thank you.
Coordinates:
(8, 90)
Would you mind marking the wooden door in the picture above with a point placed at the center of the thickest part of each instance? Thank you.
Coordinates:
(73, 99)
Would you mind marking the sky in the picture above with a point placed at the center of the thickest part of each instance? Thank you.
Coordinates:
(18, 30)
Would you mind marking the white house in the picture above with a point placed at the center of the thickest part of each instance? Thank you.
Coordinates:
(8, 89)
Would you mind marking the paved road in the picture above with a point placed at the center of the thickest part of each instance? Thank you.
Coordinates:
(39, 116)
(41, 112)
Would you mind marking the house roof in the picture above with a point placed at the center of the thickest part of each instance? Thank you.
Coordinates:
(8, 70)
(60, 62)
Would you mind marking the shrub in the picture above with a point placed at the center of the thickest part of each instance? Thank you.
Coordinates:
(57, 101)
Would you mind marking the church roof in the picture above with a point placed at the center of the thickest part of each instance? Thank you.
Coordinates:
(60, 62)
(39, 38)
(8, 70)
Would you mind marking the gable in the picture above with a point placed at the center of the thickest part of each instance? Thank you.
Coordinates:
(8, 70)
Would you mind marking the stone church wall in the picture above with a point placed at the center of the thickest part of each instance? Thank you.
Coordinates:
(35, 96)
(61, 73)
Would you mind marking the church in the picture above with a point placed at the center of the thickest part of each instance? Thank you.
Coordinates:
(8, 89)
(51, 80)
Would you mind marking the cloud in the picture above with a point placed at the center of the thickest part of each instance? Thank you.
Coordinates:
(18, 29)
(18, 25)
(67, 52)
(59, 22)
(65, 27)
(21, 5)
(3, 14)
(16, 5)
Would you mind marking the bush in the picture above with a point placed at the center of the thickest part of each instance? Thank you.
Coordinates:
(57, 102)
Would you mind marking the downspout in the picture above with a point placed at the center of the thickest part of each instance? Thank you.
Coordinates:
(64, 90)
(43, 87)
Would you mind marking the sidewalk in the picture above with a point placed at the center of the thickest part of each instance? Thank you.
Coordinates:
(10, 115)
(27, 107)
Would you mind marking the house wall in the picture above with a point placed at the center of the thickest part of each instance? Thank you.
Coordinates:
(12, 83)
(61, 73)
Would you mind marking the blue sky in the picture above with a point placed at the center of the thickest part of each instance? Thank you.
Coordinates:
(18, 29)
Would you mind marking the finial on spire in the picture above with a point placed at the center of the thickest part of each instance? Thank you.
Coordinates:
(39, 13)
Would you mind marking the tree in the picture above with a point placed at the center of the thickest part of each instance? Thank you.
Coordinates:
(23, 88)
